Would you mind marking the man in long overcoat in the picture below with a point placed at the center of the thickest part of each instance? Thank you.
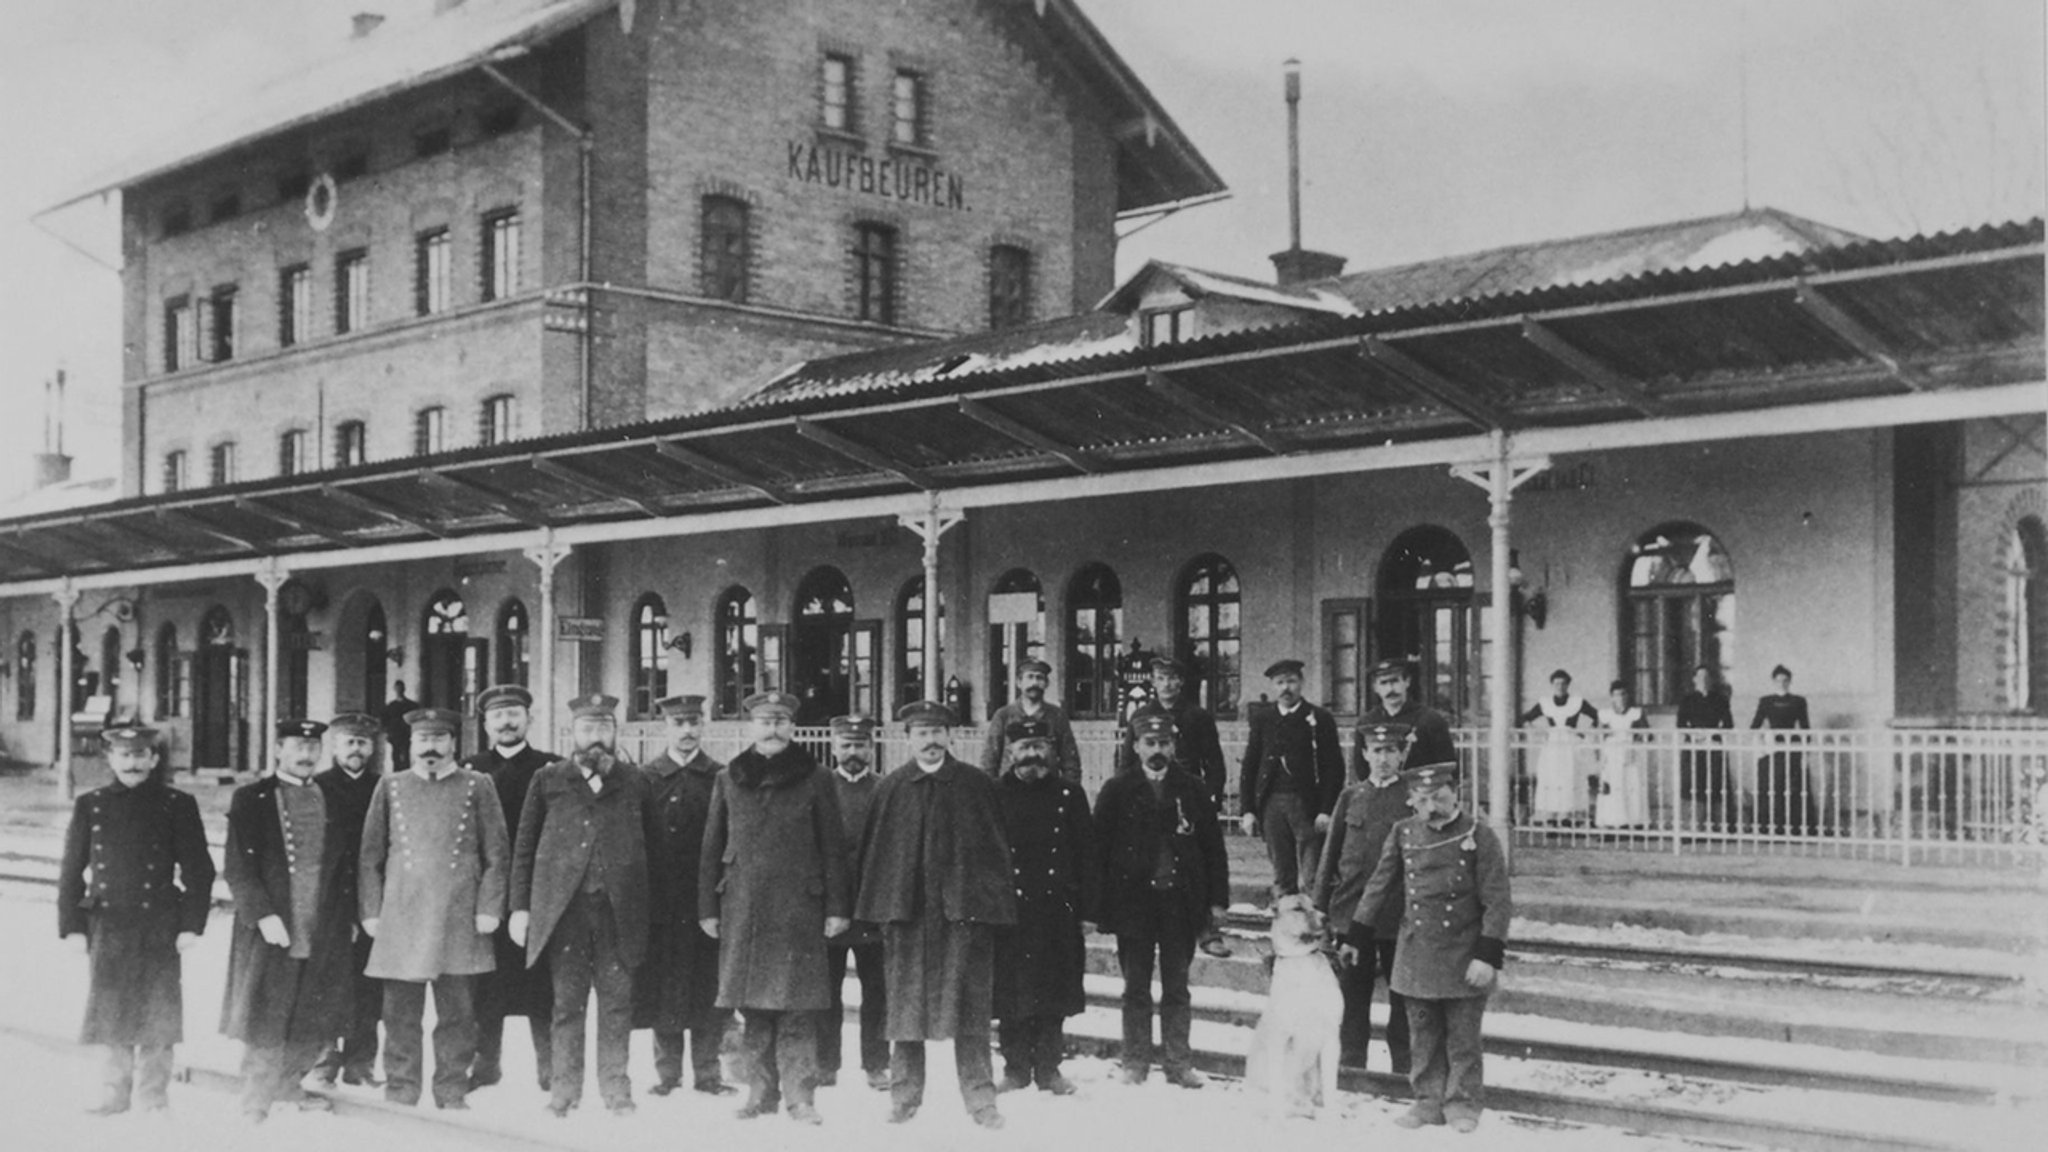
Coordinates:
(132, 894)
(855, 777)
(1165, 878)
(1041, 961)
(935, 875)
(1293, 769)
(1366, 813)
(676, 993)
(435, 868)
(290, 958)
(512, 988)
(579, 897)
(772, 887)
(350, 779)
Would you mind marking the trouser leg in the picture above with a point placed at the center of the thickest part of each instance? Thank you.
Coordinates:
(796, 1056)
(572, 961)
(1018, 1037)
(356, 1047)
(906, 1073)
(758, 1046)
(874, 1008)
(1135, 951)
(1397, 1009)
(1049, 1048)
(1465, 1079)
(260, 1077)
(705, 1042)
(1283, 845)
(488, 1068)
(405, 1002)
(1430, 1070)
(832, 1021)
(1354, 1030)
(669, 1044)
(973, 1062)
(454, 1037)
(117, 1076)
(1176, 1003)
(153, 1075)
(613, 981)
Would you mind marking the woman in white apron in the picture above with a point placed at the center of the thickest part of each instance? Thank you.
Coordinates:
(1560, 782)
(1624, 800)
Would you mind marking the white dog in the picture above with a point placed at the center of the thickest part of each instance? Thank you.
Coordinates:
(1293, 1057)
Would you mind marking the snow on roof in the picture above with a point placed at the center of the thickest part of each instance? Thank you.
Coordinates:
(60, 496)
(1068, 338)
(1202, 282)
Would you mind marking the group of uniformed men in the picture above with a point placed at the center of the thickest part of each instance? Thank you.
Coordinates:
(681, 891)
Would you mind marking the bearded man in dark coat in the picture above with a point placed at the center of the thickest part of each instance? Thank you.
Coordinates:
(935, 875)
(118, 902)
(772, 888)
(855, 777)
(350, 779)
(676, 993)
(512, 988)
(1040, 962)
(290, 960)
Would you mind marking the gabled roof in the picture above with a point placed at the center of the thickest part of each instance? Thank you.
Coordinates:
(1199, 282)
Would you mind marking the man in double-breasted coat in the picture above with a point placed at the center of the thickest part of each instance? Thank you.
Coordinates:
(290, 959)
(1041, 961)
(435, 868)
(1366, 813)
(132, 894)
(350, 779)
(772, 888)
(676, 993)
(1451, 872)
(512, 988)
(579, 897)
(935, 875)
(855, 777)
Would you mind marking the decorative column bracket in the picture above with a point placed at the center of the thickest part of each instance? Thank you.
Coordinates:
(272, 576)
(1519, 472)
(546, 556)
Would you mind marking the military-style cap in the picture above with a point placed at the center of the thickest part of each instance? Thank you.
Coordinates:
(1617, 685)
(434, 720)
(498, 696)
(1561, 674)
(1284, 667)
(770, 703)
(681, 707)
(1151, 722)
(1431, 775)
(356, 724)
(132, 737)
(854, 726)
(926, 712)
(300, 729)
(1034, 665)
(1168, 664)
(1390, 666)
(1027, 728)
(597, 705)
(1385, 732)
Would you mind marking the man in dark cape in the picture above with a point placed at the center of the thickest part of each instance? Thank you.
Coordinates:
(512, 988)
(350, 780)
(935, 875)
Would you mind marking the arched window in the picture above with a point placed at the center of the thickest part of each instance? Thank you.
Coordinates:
(647, 656)
(910, 641)
(110, 668)
(836, 663)
(1016, 632)
(739, 649)
(1426, 614)
(722, 255)
(1678, 611)
(376, 651)
(1095, 621)
(25, 677)
(513, 637)
(1207, 634)
(445, 653)
(173, 675)
(2024, 670)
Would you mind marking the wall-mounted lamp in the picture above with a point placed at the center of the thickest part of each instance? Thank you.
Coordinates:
(134, 658)
(682, 643)
(395, 654)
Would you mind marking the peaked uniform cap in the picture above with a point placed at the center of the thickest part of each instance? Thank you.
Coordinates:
(356, 724)
(300, 729)
(926, 712)
(434, 720)
(500, 695)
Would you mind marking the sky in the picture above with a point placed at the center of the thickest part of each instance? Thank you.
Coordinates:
(1428, 129)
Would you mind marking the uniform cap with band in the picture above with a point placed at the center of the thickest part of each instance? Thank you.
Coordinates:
(434, 720)
(681, 707)
(499, 695)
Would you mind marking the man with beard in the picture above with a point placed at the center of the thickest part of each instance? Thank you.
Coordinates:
(289, 959)
(435, 867)
(676, 993)
(1032, 678)
(512, 988)
(772, 888)
(349, 780)
(1366, 813)
(1165, 878)
(118, 905)
(1040, 963)
(935, 875)
(1428, 731)
(579, 897)
(854, 780)
(1293, 770)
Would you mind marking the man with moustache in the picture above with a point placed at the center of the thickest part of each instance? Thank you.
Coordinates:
(1293, 770)
(772, 888)
(1040, 963)
(512, 988)
(579, 897)
(435, 867)
(1394, 702)
(676, 993)
(1165, 878)
(935, 875)
(351, 777)
(1032, 678)
(1196, 746)
(1366, 813)
(855, 777)
(289, 958)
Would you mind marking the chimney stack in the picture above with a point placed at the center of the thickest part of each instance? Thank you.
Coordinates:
(364, 23)
(1298, 264)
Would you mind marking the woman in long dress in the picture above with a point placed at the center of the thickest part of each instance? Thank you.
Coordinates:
(1702, 768)
(1561, 791)
(1784, 805)
(1624, 800)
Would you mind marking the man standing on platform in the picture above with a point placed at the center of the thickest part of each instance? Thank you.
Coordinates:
(1197, 748)
(1366, 813)
(435, 868)
(772, 888)
(397, 733)
(579, 898)
(512, 988)
(290, 962)
(676, 993)
(1041, 962)
(855, 777)
(1293, 770)
(1448, 960)
(351, 777)
(935, 875)
(1032, 678)
(1165, 878)
(1395, 702)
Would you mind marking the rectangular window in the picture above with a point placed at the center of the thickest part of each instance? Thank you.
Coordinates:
(222, 460)
(351, 291)
(863, 666)
(293, 455)
(1009, 287)
(174, 471)
(1166, 326)
(179, 333)
(774, 663)
(499, 422)
(874, 273)
(429, 431)
(722, 256)
(907, 109)
(219, 320)
(1345, 656)
(501, 255)
(430, 272)
(294, 305)
(351, 444)
(836, 92)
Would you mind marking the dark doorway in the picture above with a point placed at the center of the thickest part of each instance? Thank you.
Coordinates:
(217, 675)
(376, 654)
(1426, 613)
(824, 623)
(444, 650)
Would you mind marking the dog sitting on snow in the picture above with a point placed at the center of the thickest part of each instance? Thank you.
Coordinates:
(1293, 1056)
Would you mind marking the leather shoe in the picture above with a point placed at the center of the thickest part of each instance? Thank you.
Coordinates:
(559, 1111)
(828, 1079)
(1135, 1075)
(1013, 1081)
(311, 1103)
(621, 1109)
(363, 1076)
(714, 1088)
(1184, 1078)
(664, 1087)
(484, 1079)
(1465, 1124)
(324, 1077)
(988, 1117)
(1058, 1085)
(900, 1113)
(753, 1108)
(456, 1105)
(879, 1080)
(805, 1114)
(1418, 1118)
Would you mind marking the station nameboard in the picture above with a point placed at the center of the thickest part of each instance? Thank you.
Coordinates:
(897, 177)
(580, 629)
